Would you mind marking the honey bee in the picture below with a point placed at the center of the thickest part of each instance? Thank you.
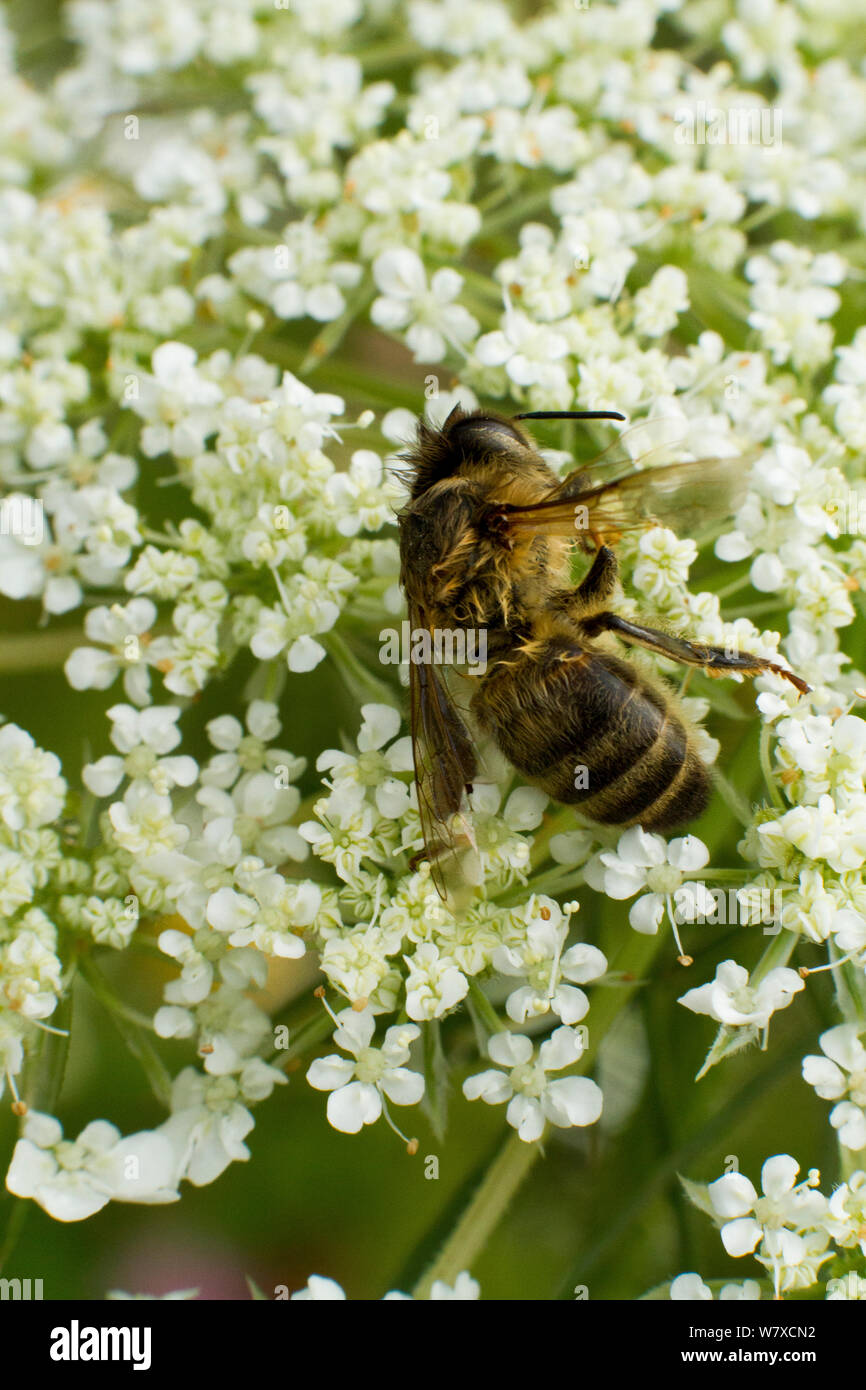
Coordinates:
(486, 540)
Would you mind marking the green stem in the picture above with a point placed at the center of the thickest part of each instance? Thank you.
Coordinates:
(517, 212)
(759, 216)
(753, 610)
(851, 1161)
(303, 1039)
(20, 1210)
(482, 1215)
(488, 1014)
(133, 1034)
(561, 879)
(767, 770)
(36, 651)
(386, 54)
(329, 339)
(778, 953)
(360, 682)
(734, 798)
(719, 876)
(436, 1084)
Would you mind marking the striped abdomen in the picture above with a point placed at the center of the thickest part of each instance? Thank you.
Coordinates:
(590, 730)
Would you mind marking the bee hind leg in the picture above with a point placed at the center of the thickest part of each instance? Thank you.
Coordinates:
(716, 661)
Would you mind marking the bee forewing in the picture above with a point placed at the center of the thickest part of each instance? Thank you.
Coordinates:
(445, 766)
(683, 496)
(642, 444)
(680, 495)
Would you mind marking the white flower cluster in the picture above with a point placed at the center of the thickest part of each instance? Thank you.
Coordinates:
(464, 1289)
(386, 939)
(791, 1228)
(523, 212)
(32, 799)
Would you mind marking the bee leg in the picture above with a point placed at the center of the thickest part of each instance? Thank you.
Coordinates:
(600, 582)
(596, 587)
(716, 661)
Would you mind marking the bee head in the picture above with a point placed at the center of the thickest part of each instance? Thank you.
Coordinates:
(476, 437)
(465, 435)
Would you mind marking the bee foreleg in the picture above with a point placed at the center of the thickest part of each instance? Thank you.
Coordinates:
(716, 661)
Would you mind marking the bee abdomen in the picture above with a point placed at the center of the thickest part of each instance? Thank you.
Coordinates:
(666, 787)
(589, 730)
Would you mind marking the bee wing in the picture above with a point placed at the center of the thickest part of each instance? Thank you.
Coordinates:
(680, 495)
(445, 766)
(642, 445)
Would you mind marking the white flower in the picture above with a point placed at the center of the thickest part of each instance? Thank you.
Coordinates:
(501, 850)
(124, 629)
(541, 959)
(786, 1220)
(460, 26)
(247, 753)
(658, 305)
(790, 297)
(532, 1097)
(531, 354)
(320, 1290)
(430, 318)
(643, 860)
(143, 822)
(192, 986)
(434, 984)
(345, 836)
(362, 497)
(732, 1000)
(264, 915)
(177, 402)
(842, 1072)
(847, 1213)
(73, 1179)
(309, 607)
(464, 1289)
(357, 962)
(357, 1087)
(818, 832)
(30, 970)
(692, 1287)
(663, 563)
(32, 792)
(209, 1120)
(142, 736)
(16, 881)
(532, 138)
(749, 1291)
(299, 277)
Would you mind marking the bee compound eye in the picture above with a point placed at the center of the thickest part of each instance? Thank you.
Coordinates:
(485, 430)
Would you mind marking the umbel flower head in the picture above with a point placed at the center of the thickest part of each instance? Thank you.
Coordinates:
(409, 208)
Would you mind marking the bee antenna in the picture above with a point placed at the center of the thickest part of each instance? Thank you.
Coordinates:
(570, 415)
